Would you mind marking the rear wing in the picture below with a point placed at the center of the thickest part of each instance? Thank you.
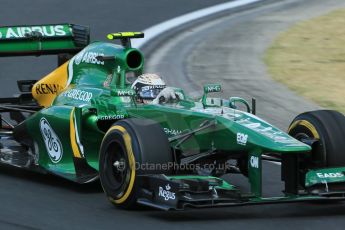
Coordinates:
(43, 39)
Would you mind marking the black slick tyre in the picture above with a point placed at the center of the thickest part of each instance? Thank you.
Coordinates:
(328, 128)
(129, 145)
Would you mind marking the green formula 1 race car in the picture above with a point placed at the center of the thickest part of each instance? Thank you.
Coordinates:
(84, 122)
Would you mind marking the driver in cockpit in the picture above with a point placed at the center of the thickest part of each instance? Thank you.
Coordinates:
(151, 89)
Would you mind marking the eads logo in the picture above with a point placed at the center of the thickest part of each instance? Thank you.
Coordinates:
(51, 141)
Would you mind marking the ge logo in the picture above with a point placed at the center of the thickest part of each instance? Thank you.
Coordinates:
(254, 162)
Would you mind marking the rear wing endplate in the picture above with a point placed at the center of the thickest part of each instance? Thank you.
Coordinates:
(43, 39)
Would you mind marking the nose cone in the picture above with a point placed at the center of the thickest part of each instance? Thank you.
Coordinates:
(260, 133)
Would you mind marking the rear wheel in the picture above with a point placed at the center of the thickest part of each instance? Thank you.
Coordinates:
(127, 149)
(327, 128)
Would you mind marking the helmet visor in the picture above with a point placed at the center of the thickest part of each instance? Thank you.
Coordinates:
(149, 92)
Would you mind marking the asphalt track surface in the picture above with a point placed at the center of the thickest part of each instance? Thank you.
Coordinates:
(32, 201)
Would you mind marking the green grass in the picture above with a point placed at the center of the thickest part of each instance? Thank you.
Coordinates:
(310, 59)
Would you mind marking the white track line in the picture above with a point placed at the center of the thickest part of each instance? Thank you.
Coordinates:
(156, 30)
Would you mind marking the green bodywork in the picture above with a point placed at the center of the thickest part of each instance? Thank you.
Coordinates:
(325, 176)
(99, 94)
(42, 39)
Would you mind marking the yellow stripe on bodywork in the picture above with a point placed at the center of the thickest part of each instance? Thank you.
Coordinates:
(306, 124)
(75, 149)
(131, 160)
(57, 79)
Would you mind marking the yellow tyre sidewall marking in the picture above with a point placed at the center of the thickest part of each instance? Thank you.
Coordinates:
(131, 160)
(306, 124)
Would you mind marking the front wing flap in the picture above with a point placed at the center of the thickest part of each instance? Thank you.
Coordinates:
(182, 192)
(179, 192)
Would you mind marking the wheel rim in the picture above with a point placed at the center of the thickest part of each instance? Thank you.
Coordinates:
(301, 136)
(300, 133)
(117, 168)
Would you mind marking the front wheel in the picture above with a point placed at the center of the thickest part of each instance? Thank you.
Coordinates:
(327, 129)
(127, 149)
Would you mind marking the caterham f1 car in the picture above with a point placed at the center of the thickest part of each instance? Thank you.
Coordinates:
(84, 122)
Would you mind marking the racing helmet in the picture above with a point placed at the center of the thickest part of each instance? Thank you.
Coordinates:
(147, 86)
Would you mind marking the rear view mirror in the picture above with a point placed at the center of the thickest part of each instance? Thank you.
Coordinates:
(210, 88)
